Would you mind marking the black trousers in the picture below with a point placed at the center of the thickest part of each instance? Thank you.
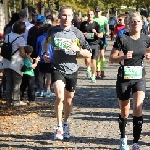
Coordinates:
(28, 81)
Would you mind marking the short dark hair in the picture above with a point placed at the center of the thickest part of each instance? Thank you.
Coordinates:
(22, 13)
(19, 27)
(28, 49)
(121, 15)
(46, 27)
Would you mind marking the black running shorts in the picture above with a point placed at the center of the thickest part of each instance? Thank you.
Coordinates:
(69, 79)
(124, 87)
(95, 49)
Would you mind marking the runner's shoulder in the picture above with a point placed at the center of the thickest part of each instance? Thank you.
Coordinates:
(76, 30)
(84, 23)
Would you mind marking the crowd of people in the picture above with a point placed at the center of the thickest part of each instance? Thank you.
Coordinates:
(49, 48)
(120, 25)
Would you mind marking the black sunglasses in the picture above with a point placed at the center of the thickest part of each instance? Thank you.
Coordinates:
(135, 22)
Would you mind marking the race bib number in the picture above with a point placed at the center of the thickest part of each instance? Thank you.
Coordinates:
(62, 43)
(132, 72)
(90, 36)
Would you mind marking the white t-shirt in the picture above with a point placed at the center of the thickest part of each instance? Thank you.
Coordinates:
(28, 26)
(16, 61)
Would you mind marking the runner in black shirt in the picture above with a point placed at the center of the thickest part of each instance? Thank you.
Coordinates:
(131, 76)
(92, 33)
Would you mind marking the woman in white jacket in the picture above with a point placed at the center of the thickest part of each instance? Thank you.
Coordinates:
(12, 68)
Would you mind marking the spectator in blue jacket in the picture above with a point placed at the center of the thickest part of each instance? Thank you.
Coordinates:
(44, 68)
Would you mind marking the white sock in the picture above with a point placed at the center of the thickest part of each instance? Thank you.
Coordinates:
(93, 76)
(88, 68)
(59, 125)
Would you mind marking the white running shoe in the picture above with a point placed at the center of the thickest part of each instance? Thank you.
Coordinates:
(58, 135)
(123, 144)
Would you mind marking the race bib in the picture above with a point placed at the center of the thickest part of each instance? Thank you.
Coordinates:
(62, 43)
(90, 36)
(132, 72)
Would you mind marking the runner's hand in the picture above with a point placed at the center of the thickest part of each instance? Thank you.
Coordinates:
(107, 33)
(128, 55)
(85, 33)
(94, 31)
(73, 46)
(46, 58)
(147, 56)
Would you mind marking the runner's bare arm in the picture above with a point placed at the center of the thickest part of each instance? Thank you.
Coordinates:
(147, 55)
(107, 29)
(114, 58)
(46, 44)
(47, 41)
(148, 50)
(99, 32)
(100, 35)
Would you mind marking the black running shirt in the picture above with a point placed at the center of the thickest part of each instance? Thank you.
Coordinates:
(87, 27)
(126, 43)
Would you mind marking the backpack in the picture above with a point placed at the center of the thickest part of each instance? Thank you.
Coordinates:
(120, 32)
(6, 49)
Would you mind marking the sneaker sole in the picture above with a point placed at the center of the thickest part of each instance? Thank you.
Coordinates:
(66, 137)
(125, 148)
(57, 138)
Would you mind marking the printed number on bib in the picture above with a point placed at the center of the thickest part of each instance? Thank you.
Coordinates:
(132, 72)
(62, 43)
(90, 36)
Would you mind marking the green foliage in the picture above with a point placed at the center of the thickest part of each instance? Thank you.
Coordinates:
(82, 5)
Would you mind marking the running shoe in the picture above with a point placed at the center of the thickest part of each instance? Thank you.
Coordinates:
(48, 94)
(102, 74)
(66, 131)
(88, 74)
(135, 146)
(93, 80)
(58, 135)
(123, 144)
(41, 93)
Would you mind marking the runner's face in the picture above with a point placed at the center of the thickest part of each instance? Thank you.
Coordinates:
(136, 23)
(98, 13)
(66, 17)
(90, 15)
(120, 20)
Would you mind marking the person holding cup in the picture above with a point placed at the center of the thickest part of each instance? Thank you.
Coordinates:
(134, 47)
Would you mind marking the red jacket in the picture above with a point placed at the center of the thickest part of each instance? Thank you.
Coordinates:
(117, 28)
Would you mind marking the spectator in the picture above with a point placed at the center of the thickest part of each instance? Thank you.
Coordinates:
(8, 27)
(145, 26)
(44, 68)
(12, 68)
(120, 27)
(34, 15)
(23, 17)
(28, 76)
(33, 34)
(49, 16)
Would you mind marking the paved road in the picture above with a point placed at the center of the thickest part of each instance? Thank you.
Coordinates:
(93, 122)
